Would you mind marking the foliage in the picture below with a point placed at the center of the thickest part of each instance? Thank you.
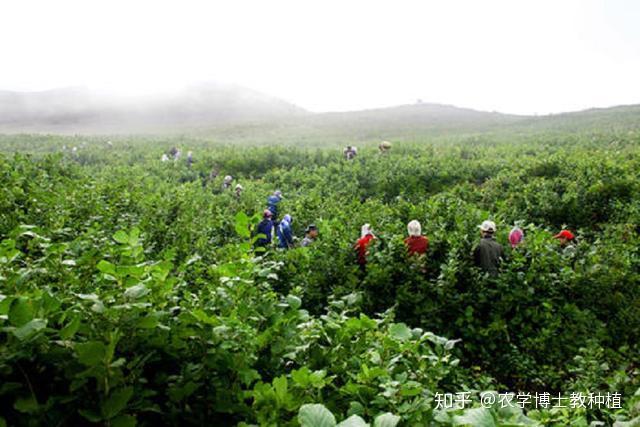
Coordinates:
(130, 293)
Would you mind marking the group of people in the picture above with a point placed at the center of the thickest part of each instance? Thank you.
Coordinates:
(174, 154)
(350, 152)
(283, 228)
(487, 255)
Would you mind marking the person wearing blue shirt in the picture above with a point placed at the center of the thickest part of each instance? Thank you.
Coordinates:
(265, 227)
(284, 233)
(272, 204)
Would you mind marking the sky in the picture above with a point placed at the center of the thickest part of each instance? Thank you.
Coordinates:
(521, 57)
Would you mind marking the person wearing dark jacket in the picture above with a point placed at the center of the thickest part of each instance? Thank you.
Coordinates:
(284, 233)
(272, 204)
(265, 227)
(489, 253)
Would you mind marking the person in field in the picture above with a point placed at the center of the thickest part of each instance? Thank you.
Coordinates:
(489, 253)
(239, 189)
(350, 152)
(516, 236)
(272, 204)
(416, 243)
(362, 245)
(164, 158)
(285, 233)
(213, 174)
(311, 234)
(384, 147)
(567, 242)
(226, 182)
(189, 159)
(265, 227)
(175, 153)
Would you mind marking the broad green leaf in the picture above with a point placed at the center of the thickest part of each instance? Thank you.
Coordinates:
(5, 304)
(121, 237)
(21, 312)
(148, 322)
(315, 415)
(631, 423)
(70, 329)
(134, 236)
(124, 421)
(106, 267)
(400, 331)
(88, 297)
(90, 415)
(137, 291)
(281, 388)
(355, 408)
(294, 302)
(26, 405)
(353, 421)
(91, 353)
(116, 402)
(30, 328)
(386, 420)
(476, 417)
(242, 225)
(301, 376)
(49, 302)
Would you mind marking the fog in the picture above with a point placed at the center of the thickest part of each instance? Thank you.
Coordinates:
(525, 57)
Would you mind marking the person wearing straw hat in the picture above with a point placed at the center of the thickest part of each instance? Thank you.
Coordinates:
(489, 253)
(239, 189)
(384, 147)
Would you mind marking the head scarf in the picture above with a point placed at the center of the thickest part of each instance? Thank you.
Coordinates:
(414, 228)
(516, 235)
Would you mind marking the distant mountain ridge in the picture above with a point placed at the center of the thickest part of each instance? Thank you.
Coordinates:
(237, 113)
(80, 109)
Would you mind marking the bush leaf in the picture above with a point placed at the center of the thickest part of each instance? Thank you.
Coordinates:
(315, 415)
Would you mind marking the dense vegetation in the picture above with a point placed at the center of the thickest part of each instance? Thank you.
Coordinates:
(130, 293)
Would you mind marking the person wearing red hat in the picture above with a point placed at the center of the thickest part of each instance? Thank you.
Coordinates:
(567, 242)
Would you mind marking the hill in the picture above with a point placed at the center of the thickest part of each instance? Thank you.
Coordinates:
(231, 113)
(79, 110)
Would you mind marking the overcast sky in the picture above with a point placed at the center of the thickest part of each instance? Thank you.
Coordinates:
(526, 56)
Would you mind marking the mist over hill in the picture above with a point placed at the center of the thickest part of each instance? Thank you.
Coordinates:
(80, 110)
(235, 114)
